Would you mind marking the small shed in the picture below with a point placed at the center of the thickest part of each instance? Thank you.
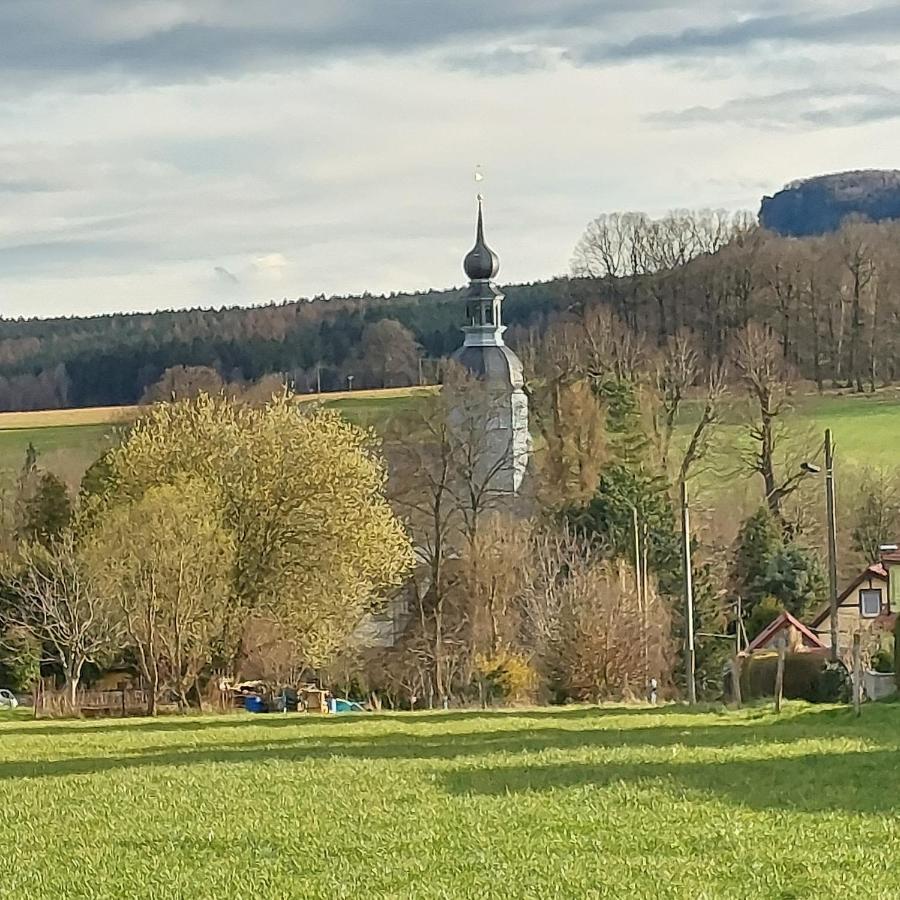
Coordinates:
(797, 636)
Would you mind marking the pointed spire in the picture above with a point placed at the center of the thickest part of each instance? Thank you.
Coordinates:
(481, 263)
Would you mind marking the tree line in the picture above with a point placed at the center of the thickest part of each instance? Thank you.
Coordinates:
(832, 302)
(220, 538)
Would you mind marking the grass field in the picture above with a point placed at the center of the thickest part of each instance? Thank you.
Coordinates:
(573, 802)
(866, 428)
(71, 439)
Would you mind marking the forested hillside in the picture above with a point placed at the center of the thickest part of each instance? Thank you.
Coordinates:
(832, 301)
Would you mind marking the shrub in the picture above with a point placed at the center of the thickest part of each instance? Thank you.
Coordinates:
(507, 675)
(20, 660)
(807, 676)
(897, 650)
(764, 613)
(883, 660)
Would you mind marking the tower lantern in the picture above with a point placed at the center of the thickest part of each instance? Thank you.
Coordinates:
(484, 353)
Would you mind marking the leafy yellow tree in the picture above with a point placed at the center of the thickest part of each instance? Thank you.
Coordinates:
(299, 490)
(165, 561)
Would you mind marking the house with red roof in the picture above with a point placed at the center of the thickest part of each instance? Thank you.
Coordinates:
(868, 605)
(864, 606)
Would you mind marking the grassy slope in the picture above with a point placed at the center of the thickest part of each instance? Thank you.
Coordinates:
(82, 434)
(867, 429)
(550, 803)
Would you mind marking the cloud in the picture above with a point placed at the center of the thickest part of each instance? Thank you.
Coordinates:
(24, 186)
(170, 41)
(174, 41)
(151, 151)
(225, 275)
(801, 108)
(876, 26)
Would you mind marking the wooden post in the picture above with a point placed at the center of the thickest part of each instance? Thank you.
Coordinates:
(736, 659)
(779, 674)
(736, 680)
(857, 674)
(688, 597)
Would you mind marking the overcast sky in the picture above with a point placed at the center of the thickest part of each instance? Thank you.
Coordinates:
(174, 153)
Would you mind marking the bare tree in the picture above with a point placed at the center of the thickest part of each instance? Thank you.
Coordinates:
(608, 646)
(758, 359)
(446, 482)
(857, 257)
(876, 514)
(59, 602)
(568, 415)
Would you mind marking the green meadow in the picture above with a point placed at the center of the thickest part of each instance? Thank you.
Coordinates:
(866, 429)
(567, 802)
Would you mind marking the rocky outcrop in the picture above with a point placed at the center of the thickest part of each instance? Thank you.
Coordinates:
(814, 206)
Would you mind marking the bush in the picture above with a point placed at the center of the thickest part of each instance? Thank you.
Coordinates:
(20, 660)
(897, 650)
(506, 675)
(883, 660)
(807, 676)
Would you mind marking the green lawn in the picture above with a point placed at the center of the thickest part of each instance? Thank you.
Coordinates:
(571, 802)
(866, 429)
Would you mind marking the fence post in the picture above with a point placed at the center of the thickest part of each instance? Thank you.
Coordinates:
(857, 673)
(779, 674)
(736, 680)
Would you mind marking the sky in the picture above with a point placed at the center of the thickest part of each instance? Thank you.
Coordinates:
(180, 153)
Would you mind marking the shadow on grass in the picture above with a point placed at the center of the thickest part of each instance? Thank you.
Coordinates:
(865, 781)
(276, 720)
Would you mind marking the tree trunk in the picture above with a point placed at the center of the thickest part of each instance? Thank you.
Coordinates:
(154, 688)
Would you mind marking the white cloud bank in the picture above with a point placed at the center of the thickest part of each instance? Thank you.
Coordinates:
(169, 154)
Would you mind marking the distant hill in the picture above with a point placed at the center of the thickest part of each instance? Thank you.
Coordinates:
(814, 206)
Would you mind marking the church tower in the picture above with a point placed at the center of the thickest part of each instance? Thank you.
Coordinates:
(485, 354)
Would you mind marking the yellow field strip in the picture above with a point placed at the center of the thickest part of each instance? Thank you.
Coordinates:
(53, 418)
(110, 415)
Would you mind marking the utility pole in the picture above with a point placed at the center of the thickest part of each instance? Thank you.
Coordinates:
(640, 586)
(832, 541)
(638, 580)
(318, 379)
(688, 596)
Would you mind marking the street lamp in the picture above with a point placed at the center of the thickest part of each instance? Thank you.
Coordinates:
(831, 526)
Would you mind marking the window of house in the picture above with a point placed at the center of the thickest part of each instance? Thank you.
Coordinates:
(870, 603)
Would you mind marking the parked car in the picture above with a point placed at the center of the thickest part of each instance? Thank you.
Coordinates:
(7, 699)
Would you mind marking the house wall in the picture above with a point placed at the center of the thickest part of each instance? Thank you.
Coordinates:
(850, 620)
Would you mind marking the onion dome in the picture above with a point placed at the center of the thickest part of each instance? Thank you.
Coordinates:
(481, 263)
